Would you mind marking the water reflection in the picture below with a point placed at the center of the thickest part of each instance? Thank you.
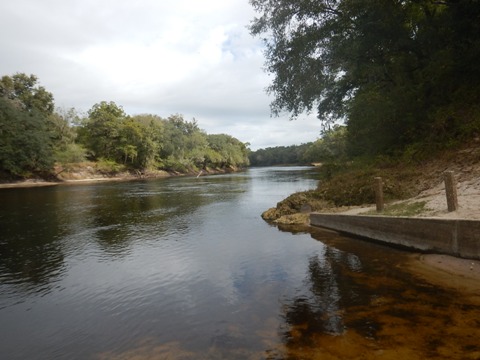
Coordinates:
(185, 269)
(40, 226)
(30, 247)
(350, 307)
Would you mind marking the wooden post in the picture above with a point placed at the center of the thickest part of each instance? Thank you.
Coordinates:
(451, 191)
(379, 194)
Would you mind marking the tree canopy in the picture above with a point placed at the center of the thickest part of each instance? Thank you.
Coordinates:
(150, 141)
(395, 71)
(34, 136)
(23, 90)
(26, 134)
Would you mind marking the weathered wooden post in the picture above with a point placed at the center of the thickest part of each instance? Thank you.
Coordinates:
(379, 194)
(451, 191)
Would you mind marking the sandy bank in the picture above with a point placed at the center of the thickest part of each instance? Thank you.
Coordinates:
(27, 184)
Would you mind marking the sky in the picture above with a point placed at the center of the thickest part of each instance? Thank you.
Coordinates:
(189, 57)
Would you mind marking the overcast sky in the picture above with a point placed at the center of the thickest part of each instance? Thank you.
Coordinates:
(191, 57)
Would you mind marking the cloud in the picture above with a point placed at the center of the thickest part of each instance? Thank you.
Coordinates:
(189, 57)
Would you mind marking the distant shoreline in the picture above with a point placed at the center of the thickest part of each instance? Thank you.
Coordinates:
(29, 183)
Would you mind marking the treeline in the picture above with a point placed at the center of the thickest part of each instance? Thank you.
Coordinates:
(279, 155)
(330, 147)
(34, 136)
(403, 76)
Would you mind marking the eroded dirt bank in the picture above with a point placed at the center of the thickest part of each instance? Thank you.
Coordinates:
(88, 174)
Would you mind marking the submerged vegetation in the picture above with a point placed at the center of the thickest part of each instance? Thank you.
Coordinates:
(38, 141)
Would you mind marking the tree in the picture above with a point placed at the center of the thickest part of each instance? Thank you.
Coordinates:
(101, 131)
(332, 146)
(26, 133)
(24, 91)
(64, 134)
(227, 151)
(148, 142)
(25, 141)
(386, 67)
(183, 144)
(280, 155)
(60, 123)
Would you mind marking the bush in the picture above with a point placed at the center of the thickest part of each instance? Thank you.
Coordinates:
(109, 167)
(72, 153)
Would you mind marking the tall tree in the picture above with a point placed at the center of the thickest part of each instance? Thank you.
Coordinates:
(148, 142)
(183, 144)
(24, 91)
(25, 141)
(26, 137)
(101, 131)
(386, 67)
(228, 151)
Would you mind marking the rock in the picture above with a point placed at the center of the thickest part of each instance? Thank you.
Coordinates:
(294, 219)
(270, 214)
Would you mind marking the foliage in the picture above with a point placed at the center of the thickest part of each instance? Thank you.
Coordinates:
(62, 133)
(109, 167)
(280, 155)
(226, 151)
(24, 93)
(101, 131)
(25, 141)
(33, 137)
(184, 143)
(331, 147)
(27, 131)
(71, 153)
(388, 69)
(149, 141)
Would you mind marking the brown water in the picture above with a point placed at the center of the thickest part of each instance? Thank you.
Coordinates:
(185, 268)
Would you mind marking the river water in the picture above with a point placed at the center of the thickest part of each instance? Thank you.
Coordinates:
(185, 268)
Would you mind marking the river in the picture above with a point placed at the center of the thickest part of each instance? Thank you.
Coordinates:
(185, 268)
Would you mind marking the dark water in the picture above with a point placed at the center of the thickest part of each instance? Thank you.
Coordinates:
(185, 268)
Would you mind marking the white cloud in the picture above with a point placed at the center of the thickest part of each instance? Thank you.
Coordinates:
(189, 57)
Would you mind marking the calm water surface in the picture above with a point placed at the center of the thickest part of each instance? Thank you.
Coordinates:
(185, 268)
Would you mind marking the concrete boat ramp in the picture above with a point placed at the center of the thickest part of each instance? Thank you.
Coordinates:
(456, 237)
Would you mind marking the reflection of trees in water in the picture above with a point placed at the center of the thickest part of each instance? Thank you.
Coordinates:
(330, 288)
(120, 218)
(124, 213)
(31, 257)
(38, 226)
(29, 243)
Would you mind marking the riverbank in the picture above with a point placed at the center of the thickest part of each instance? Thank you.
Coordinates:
(423, 195)
(91, 176)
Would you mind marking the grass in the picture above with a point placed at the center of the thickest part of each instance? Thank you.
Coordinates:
(402, 209)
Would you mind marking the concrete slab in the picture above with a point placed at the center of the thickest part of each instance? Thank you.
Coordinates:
(455, 237)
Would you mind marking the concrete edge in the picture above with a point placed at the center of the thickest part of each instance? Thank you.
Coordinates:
(457, 237)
